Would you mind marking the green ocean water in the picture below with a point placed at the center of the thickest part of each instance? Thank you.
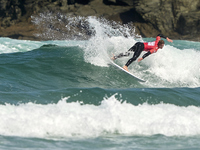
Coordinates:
(65, 94)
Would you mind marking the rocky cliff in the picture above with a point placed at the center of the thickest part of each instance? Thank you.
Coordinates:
(178, 19)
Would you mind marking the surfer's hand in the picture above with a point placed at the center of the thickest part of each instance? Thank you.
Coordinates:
(140, 59)
(169, 40)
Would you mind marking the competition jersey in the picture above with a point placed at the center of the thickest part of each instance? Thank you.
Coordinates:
(152, 46)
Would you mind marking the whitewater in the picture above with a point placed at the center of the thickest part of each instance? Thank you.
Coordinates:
(65, 94)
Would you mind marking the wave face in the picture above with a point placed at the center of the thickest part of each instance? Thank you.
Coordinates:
(67, 89)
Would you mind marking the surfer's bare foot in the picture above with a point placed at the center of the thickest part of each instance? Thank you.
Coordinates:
(114, 57)
(125, 68)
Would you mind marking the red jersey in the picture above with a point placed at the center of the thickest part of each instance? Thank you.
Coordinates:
(152, 46)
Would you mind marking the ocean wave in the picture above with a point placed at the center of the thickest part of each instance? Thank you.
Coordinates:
(71, 119)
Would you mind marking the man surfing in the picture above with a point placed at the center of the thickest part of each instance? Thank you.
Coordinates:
(149, 47)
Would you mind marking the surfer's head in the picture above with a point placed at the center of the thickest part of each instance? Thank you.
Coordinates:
(161, 43)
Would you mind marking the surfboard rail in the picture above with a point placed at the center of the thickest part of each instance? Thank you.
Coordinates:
(114, 64)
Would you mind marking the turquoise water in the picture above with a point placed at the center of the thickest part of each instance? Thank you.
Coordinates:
(64, 94)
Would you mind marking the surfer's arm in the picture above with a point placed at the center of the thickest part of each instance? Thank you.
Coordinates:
(162, 36)
(165, 37)
(169, 40)
(144, 56)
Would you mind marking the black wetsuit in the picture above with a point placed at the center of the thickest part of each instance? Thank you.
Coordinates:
(137, 49)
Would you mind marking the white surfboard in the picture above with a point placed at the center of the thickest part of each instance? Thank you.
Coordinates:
(114, 64)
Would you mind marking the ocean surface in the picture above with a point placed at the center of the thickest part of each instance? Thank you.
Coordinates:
(65, 94)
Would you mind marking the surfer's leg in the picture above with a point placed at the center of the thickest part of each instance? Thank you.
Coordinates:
(138, 50)
(132, 49)
(121, 55)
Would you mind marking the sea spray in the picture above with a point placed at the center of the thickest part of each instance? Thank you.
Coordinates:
(59, 26)
(104, 37)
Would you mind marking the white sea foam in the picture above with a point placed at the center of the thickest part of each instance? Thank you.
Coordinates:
(175, 66)
(65, 120)
(8, 45)
(107, 40)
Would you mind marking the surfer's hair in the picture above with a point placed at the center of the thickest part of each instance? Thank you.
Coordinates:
(161, 42)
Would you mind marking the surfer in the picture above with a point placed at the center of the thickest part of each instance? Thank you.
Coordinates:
(149, 47)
